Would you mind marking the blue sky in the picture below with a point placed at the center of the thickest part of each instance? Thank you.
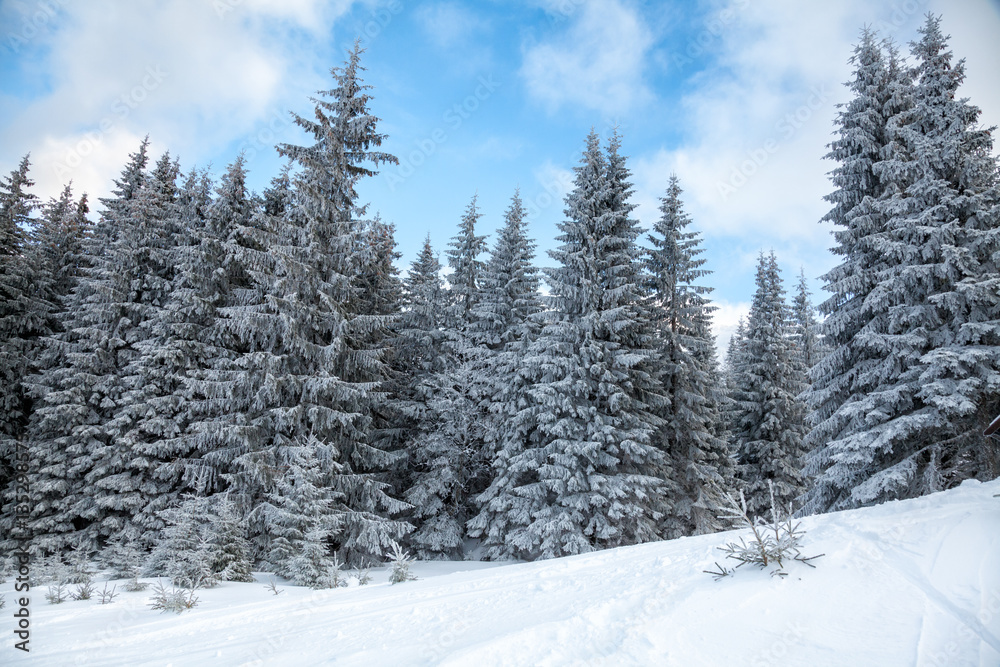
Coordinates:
(736, 97)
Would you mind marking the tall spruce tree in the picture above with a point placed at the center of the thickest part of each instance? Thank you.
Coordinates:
(681, 314)
(24, 313)
(505, 324)
(121, 483)
(207, 281)
(232, 430)
(77, 396)
(882, 88)
(808, 340)
(769, 417)
(936, 302)
(580, 470)
(321, 373)
(57, 250)
(445, 454)
(419, 353)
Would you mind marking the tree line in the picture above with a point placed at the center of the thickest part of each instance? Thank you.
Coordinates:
(205, 351)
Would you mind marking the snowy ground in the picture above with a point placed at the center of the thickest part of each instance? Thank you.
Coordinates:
(907, 583)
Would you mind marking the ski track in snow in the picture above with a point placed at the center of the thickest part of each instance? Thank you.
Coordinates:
(906, 583)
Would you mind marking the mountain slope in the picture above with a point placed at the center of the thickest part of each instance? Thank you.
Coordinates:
(906, 583)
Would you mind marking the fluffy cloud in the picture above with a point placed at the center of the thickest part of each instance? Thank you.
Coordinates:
(448, 24)
(597, 62)
(755, 122)
(759, 118)
(724, 323)
(115, 71)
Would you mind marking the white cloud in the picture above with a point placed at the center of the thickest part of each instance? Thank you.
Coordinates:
(194, 75)
(448, 24)
(556, 180)
(597, 63)
(500, 148)
(757, 121)
(724, 323)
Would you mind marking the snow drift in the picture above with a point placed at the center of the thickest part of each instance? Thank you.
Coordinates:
(906, 583)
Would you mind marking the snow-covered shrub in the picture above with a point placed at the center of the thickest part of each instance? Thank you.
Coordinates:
(312, 566)
(400, 566)
(80, 572)
(84, 591)
(228, 547)
(175, 599)
(106, 596)
(133, 585)
(49, 569)
(773, 543)
(337, 579)
(56, 593)
(123, 557)
(272, 586)
(363, 575)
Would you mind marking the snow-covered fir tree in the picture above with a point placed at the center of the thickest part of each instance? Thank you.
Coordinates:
(445, 455)
(806, 334)
(230, 550)
(508, 294)
(299, 513)
(122, 482)
(201, 354)
(935, 307)
(464, 252)
(768, 427)
(57, 250)
(732, 369)
(881, 86)
(23, 311)
(230, 429)
(76, 399)
(421, 337)
(580, 470)
(694, 430)
(380, 296)
(318, 372)
(184, 551)
(505, 324)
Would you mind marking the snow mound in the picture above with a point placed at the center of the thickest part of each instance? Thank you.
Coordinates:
(906, 583)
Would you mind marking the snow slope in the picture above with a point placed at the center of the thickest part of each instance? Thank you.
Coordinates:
(906, 583)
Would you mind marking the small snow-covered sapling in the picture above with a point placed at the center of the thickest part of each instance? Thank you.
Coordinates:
(84, 591)
(773, 543)
(273, 586)
(400, 566)
(106, 596)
